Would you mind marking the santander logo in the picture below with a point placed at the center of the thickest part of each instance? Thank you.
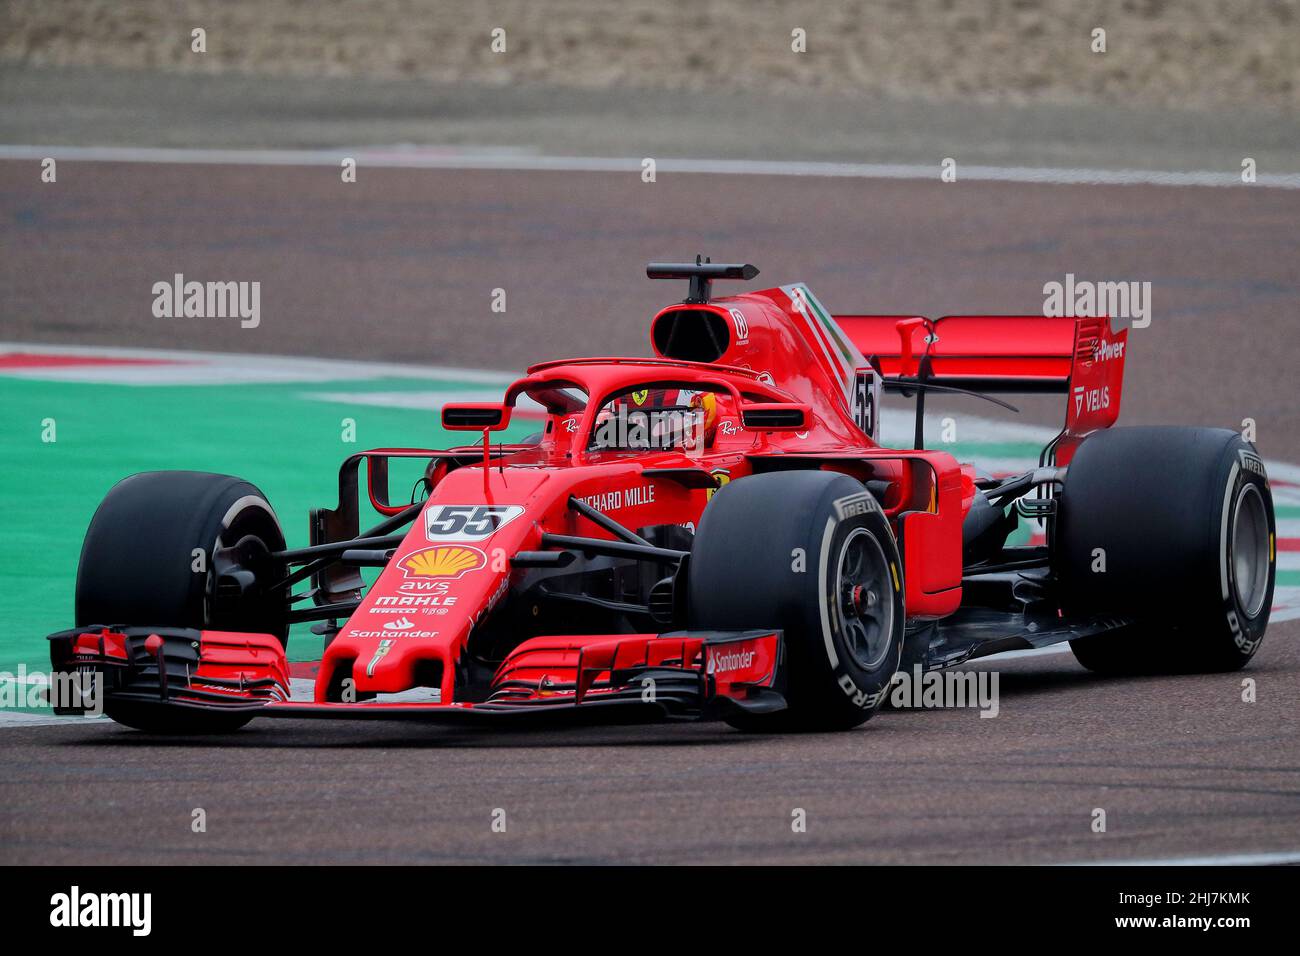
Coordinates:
(722, 662)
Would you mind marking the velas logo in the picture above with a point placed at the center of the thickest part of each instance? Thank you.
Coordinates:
(449, 561)
(1094, 399)
(75, 909)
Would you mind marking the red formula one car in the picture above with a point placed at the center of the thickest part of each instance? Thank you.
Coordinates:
(712, 532)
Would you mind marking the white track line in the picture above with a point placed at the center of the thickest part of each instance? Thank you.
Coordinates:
(1228, 859)
(230, 367)
(245, 367)
(445, 158)
(47, 719)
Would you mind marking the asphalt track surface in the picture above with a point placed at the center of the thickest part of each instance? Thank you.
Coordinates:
(402, 264)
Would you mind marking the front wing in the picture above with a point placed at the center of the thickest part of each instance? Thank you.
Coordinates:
(562, 679)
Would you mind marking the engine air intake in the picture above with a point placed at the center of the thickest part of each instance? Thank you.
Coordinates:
(690, 335)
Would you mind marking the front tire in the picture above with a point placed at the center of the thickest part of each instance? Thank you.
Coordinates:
(1181, 520)
(153, 555)
(811, 553)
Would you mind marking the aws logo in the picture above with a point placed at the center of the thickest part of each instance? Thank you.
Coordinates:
(448, 561)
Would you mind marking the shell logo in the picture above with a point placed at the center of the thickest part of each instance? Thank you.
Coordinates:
(448, 561)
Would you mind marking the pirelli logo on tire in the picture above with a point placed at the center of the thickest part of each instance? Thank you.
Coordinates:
(1252, 463)
(850, 506)
(859, 696)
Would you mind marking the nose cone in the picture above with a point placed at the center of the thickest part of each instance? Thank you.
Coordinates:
(378, 662)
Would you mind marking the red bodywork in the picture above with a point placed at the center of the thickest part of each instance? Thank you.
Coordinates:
(415, 623)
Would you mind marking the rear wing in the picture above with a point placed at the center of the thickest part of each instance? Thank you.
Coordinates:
(1081, 357)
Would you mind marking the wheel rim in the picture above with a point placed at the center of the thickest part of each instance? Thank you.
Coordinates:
(1250, 550)
(865, 601)
(248, 518)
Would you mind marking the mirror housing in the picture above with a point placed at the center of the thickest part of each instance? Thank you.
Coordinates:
(475, 416)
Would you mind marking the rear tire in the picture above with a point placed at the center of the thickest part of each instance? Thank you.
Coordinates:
(811, 553)
(139, 568)
(1183, 518)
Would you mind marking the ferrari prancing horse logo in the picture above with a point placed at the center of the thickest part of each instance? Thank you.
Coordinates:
(723, 476)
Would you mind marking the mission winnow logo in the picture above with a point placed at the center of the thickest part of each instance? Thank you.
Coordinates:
(76, 909)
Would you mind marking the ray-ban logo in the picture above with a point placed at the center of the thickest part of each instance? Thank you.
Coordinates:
(77, 909)
(179, 299)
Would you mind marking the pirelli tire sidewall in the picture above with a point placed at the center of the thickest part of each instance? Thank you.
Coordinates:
(766, 555)
(1161, 504)
(864, 689)
(1247, 629)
